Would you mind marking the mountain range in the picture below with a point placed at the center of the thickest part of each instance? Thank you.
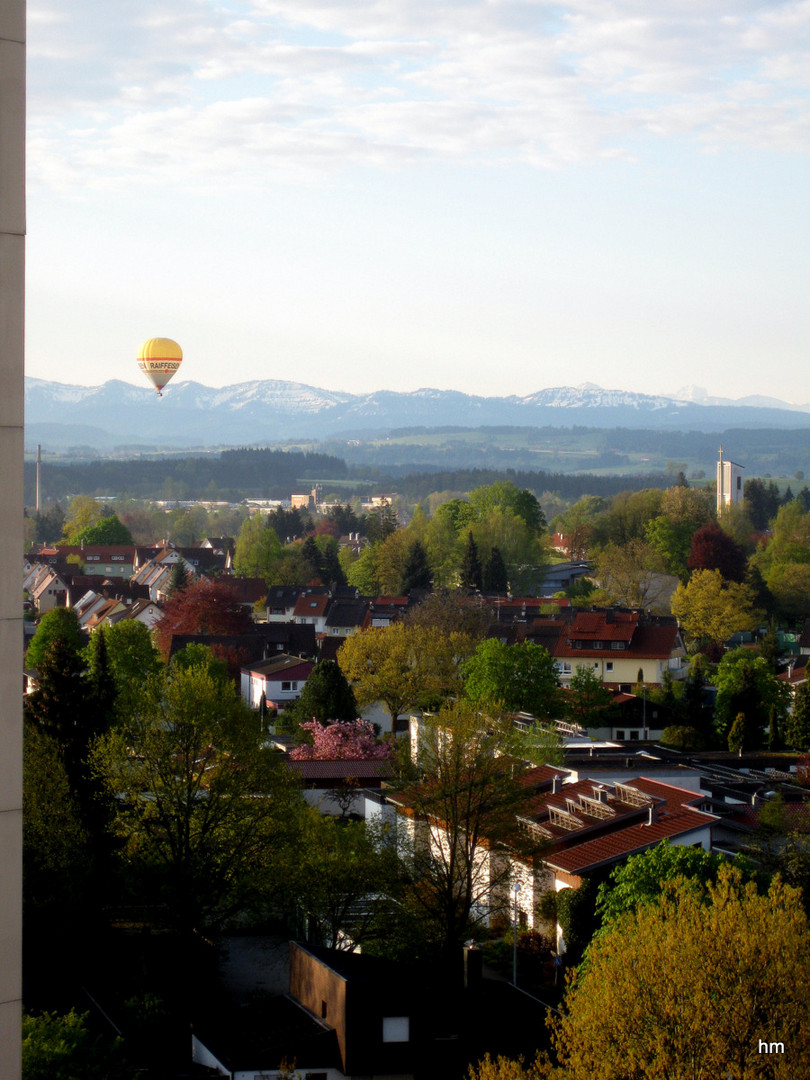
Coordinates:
(189, 414)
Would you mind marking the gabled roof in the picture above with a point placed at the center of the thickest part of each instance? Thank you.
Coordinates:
(276, 666)
(346, 613)
(312, 606)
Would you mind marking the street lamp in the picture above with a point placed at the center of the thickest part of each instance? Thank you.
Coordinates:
(515, 890)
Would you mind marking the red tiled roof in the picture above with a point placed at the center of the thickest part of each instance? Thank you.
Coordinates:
(310, 605)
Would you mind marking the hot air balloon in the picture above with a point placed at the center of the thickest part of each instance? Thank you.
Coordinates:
(159, 358)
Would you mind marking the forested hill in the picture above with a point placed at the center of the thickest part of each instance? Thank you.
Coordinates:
(230, 474)
(273, 474)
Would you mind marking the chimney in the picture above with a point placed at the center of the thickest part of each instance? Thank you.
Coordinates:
(555, 782)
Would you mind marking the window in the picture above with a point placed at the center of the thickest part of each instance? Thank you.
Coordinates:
(634, 735)
(396, 1029)
(618, 645)
(285, 686)
(598, 645)
(619, 734)
(608, 665)
(324, 1010)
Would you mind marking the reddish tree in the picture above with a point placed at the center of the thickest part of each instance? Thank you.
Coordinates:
(713, 549)
(348, 740)
(203, 607)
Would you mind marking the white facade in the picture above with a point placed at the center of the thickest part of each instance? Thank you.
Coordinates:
(729, 483)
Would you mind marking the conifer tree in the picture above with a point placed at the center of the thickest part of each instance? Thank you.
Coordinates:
(494, 575)
(416, 573)
(470, 577)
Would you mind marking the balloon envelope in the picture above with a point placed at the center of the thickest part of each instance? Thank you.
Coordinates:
(159, 358)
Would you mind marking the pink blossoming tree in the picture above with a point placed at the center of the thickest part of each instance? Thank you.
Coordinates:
(350, 740)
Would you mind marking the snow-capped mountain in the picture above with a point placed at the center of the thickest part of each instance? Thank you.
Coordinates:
(191, 414)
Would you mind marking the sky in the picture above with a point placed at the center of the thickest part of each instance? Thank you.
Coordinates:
(493, 196)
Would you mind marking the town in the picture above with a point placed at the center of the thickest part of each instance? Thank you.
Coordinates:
(334, 797)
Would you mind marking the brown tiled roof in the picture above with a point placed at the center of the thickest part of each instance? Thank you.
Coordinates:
(311, 605)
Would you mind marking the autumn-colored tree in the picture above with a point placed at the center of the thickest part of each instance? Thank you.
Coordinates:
(403, 665)
(204, 607)
(345, 740)
(711, 609)
(639, 1007)
(713, 549)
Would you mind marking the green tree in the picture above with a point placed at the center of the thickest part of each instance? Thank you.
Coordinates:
(327, 696)
(180, 577)
(643, 878)
(202, 809)
(59, 623)
(470, 577)
(746, 686)
(416, 573)
(341, 878)
(628, 574)
(83, 511)
(132, 658)
(588, 701)
(56, 852)
(108, 530)
(797, 723)
(494, 577)
(258, 549)
(512, 677)
(62, 1047)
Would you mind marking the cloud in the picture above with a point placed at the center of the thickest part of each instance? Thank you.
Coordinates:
(299, 90)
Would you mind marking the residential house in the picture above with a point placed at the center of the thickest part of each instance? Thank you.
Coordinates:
(278, 680)
(311, 609)
(345, 617)
(623, 647)
(156, 574)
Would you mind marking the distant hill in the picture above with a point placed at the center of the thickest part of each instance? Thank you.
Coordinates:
(192, 415)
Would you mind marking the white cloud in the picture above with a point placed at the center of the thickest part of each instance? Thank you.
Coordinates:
(395, 81)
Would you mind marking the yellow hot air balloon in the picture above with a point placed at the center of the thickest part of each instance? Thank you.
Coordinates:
(159, 358)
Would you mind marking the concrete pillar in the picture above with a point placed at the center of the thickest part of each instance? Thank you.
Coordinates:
(12, 277)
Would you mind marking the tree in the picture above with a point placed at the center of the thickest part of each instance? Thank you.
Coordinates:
(643, 877)
(108, 530)
(403, 665)
(202, 808)
(797, 723)
(746, 686)
(326, 696)
(576, 525)
(512, 677)
(789, 586)
(258, 548)
(711, 609)
(494, 577)
(470, 577)
(59, 707)
(341, 879)
(59, 623)
(132, 658)
(639, 1007)
(683, 512)
(416, 573)
(450, 611)
(588, 700)
(179, 579)
(56, 854)
(464, 810)
(205, 607)
(83, 511)
(58, 1047)
(344, 740)
(628, 573)
(713, 549)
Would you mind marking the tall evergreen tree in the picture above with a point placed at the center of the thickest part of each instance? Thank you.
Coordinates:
(327, 696)
(494, 575)
(416, 573)
(333, 572)
(100, 680)
(470, 577)
(179, 578)
(797, 724)
(312, 553)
